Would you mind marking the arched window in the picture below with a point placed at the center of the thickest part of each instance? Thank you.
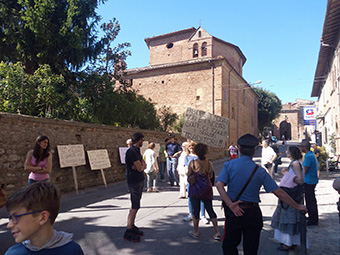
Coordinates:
(195, 51)
(204, 49)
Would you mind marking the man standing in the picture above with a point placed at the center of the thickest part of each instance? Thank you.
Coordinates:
(268, 157)
(242, 212)
(163, 159)
(173, 150)
(277, 161)
(135, 178)
(310, 165)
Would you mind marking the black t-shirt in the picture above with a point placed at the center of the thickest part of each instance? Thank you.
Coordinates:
(132, 155)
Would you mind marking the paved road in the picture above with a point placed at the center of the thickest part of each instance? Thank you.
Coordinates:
(97, 217)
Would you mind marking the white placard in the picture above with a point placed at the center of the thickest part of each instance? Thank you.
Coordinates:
(71, 155)
(122, 153)
(144, 147)
(204, 127)
(99, 159)
(157, 148)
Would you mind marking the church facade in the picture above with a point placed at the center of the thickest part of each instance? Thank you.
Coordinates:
(191, 68)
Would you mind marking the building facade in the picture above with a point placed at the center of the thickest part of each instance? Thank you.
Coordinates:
(326, 85)
(191, 68)
(290, 122)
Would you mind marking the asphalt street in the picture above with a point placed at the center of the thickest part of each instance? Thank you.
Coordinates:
(97, 217)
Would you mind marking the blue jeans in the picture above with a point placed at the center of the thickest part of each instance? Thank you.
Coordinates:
(171, 164)
(191, 211)
(162, 169)
(30, 181)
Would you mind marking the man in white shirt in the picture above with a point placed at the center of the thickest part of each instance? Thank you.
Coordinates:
(268, 157)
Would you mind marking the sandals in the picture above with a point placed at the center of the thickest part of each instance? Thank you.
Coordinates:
(193, 234)
(284, 247)
(217, 237)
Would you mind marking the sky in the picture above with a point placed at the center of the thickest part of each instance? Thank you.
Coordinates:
(279, 38)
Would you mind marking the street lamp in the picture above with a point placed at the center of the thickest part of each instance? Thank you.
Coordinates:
(254, 83)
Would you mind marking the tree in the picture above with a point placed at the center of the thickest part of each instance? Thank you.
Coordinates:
(269, 107)
(167, 118)
(60, 33)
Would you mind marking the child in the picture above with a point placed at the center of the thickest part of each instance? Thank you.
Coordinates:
(33, 210)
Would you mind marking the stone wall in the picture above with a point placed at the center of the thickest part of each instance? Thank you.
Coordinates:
(18, 134)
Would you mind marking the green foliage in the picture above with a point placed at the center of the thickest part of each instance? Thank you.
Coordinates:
(323, 155)
(41, 94)
(332, 142)
(178, 125)
(167, 118)
(60, 33)
(269, 107)
(44, 44)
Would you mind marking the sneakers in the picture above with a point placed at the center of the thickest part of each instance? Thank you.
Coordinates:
(137, 231)
(131, 236)
(188, 218)
(204, 220)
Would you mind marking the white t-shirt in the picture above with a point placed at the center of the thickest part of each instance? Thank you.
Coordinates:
(150, 159)
(267, 155)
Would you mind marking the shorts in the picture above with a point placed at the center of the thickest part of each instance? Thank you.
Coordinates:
(136, 190)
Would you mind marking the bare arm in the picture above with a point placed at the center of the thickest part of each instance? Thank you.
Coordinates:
(38, 169)
(298, 171)
(306, 169)
(139, 165)
(288, 200)
(225, 197)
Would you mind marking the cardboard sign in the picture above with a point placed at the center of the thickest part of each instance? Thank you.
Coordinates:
(71, 155)
(122, 153)
(99, 159)
(206, 128)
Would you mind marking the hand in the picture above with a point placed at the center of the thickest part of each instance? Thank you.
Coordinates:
(284, 170)
(234, 207)
(302, 208)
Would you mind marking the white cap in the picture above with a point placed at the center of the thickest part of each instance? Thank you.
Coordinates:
(185, 144)
(336, 184)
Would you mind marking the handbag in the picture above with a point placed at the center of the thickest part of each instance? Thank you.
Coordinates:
(295, 193)
(193, 178)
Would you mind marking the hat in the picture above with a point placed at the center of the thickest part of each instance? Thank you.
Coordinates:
(336, 184)
(248, 140)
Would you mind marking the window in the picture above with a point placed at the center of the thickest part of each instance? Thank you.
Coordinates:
(233, 112)
(199, 33)
(170, 45)
(195, 51)
(204, 49)
(225, 96)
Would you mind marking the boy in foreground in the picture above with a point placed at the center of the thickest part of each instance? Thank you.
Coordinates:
(33, 210)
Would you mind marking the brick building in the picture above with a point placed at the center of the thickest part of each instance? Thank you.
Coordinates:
(191, 68)
(290, 122)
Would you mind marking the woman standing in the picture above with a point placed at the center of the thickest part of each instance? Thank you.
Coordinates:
(286, 219)
(151, 169)
(182, 171)
(39, 160)
(201, 170)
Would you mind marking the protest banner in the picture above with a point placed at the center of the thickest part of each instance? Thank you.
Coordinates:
(71, 156)
(99, 160)
(122, 153)
(204, 127)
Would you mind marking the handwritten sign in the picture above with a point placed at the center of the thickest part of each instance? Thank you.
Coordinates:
(204, 127)
(99, 159)
(122, 153)
(71, 155)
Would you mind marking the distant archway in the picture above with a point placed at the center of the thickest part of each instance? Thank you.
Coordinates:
(286, 130)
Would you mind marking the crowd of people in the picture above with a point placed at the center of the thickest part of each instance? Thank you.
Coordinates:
(34, 208)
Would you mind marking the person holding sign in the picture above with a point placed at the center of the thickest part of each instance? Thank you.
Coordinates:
(173, 150)
(135, 179)
(39, 160)
(243, 216)
(151, 169)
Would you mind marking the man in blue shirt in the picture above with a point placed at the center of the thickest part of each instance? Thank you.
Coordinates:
(243, 215)
(310, 165)
(173, 150)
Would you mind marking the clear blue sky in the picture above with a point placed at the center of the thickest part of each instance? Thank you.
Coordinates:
(280, 38)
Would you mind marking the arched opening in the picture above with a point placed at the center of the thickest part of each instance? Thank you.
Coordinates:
(204, 49)
(195, 51)
(286, 130)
